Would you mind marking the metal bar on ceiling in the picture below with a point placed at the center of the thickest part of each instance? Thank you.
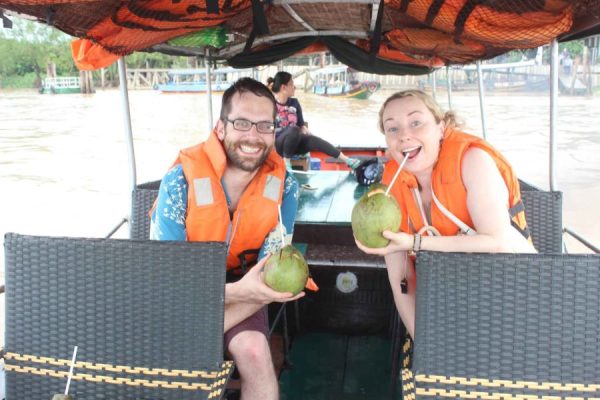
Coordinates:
(374, 12)
(232, 49)
(298, 18)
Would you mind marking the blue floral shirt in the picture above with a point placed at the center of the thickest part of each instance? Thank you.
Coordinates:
(168, 218)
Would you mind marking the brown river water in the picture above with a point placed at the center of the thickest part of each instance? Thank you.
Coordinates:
(64, 169)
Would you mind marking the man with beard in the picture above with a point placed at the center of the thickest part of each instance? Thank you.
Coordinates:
(228, 189)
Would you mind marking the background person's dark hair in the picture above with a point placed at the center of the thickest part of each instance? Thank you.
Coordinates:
(281, 78)
(241, 86)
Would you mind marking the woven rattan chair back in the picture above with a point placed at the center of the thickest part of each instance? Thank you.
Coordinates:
(143, 198)
(147, 318)
(543, 211)
(506, 326)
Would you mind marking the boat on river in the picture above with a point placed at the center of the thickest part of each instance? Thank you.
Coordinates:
(61, 85)
(148, 316)
(340, 81)
(194, 80)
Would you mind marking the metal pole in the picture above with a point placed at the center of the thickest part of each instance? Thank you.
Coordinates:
(481, 98)
(208, 89)
(433, 85)
(127, 124)
(553, 111)
(449, 84)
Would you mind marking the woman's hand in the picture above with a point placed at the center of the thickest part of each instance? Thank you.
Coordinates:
(252, 288)
(398, 242)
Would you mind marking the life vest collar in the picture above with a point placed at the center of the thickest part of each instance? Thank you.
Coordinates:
(216, 153)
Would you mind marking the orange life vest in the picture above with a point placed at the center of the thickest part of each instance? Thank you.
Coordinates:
(208, 214)
(448, 187)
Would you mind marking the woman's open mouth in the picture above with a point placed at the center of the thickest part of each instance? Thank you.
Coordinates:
(411, 152)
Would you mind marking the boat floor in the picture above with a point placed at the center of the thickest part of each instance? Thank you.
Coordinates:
(341, 367)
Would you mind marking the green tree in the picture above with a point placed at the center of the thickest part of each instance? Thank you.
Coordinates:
(29, 46)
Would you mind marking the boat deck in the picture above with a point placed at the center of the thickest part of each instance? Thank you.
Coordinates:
(333, 366)
(341, 348)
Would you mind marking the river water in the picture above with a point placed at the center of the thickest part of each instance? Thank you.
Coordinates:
(64, 161)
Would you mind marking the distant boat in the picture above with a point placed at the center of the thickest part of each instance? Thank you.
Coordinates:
(194, 80)
(339, 81)
(61, 85)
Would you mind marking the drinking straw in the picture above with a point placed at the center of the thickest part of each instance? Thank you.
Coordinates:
(387, 192)
(71, 370)
(281, 226)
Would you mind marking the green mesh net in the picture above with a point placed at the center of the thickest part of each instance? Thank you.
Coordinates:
(212, 36)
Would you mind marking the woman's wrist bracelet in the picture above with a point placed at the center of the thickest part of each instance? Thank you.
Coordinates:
(416, 242)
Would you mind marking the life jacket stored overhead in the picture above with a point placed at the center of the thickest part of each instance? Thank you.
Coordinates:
(140, 24)
(498, 23)
(449, 189)
(432, 42)
(208, 217)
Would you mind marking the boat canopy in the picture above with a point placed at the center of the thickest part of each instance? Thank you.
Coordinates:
(377, 36)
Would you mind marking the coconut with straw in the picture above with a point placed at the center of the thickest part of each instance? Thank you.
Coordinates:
(376, 211)
(286, 270)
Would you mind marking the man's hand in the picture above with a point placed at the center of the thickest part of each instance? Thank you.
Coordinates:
(252, 289)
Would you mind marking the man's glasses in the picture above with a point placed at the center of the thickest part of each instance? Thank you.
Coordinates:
(264, 127)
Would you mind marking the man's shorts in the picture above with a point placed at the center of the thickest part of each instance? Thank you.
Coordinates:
(259, 321)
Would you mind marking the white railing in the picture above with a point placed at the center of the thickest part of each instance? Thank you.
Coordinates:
(62, 82)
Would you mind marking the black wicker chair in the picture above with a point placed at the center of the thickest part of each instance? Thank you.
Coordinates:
(147, 318)
(143, 197)
(543, 211)
(506, 326)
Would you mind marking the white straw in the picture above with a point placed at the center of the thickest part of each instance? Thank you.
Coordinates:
(71, 370)
(281, 226)
(396, 176)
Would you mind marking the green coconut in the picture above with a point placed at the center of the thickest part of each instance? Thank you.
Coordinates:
(374, 213)
(286, 270)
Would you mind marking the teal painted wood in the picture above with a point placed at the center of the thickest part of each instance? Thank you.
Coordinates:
(328, 366)
(331, 199)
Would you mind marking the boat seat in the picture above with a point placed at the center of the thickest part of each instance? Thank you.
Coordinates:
(143, 197)
(543, 211)
(506, 326)
(127, 305)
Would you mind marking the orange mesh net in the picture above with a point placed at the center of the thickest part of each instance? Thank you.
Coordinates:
(501, 23)
(141, 24)
(387, 52)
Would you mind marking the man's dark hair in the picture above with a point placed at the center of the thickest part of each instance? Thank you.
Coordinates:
(241, 86)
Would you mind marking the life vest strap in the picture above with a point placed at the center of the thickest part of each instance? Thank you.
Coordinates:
(515, 210)
(433, 11)
(464, 228)
(248, 259)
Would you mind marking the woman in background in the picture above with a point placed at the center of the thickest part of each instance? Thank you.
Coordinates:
(292, 136)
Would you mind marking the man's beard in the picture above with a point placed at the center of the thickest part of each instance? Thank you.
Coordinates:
(241, 162)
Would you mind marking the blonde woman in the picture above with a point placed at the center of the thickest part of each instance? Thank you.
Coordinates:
(456, 193)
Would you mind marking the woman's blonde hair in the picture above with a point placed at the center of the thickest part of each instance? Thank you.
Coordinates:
(449, 117)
